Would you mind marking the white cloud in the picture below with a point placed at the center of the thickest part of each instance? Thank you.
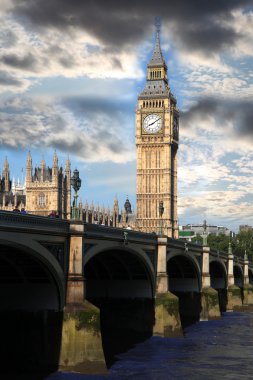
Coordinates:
(39, 123)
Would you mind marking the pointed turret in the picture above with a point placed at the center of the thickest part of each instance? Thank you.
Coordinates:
(55, 167)
(103, 214)
(67, 167)
(6, 164)
(92, 212)
(127, 206)
(157, 57)
(42, 169)
(115, 211)
(6, 176)
(157, 78)
(86, 207)
(116, 203)
(108, 213)
(68, 186)
(29, 168)
(55, 160)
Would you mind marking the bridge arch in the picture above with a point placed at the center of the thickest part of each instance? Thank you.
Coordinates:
(218, 277)
(238, 275)
(120, 281)
(184, 278)
(218, 274)
(118, 272)
(31, 278)
(184, 272)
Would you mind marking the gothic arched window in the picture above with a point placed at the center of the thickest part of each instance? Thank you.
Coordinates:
(42, 200)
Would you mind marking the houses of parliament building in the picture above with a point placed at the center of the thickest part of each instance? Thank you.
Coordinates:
(157, 136)
(45, 189)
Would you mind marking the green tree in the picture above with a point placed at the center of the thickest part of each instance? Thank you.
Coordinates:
(197, 240)
(219, 242)
(243, 242)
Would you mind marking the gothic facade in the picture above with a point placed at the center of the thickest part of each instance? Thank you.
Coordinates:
(157, 135)
(45, 189)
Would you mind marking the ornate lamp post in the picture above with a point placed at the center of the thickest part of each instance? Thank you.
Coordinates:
(204, 236)
(76, 184)
(161, 210)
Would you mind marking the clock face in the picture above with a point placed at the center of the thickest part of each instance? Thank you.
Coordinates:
(152, 123)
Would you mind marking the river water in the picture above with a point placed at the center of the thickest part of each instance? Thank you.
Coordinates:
(218, 349)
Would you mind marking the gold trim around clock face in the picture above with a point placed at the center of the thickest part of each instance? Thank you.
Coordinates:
(153, 117)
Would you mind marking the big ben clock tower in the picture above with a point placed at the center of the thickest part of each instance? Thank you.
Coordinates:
(157, 123)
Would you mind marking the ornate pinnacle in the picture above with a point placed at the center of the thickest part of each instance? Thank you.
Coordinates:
(245, 255)
(204, 236)
(230, 249)
(6, 164)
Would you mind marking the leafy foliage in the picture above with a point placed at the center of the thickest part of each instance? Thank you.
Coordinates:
(241, 242)
(244, 241)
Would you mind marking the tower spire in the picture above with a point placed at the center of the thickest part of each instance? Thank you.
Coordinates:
(157, 57)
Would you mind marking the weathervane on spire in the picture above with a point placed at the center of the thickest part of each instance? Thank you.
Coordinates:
(158, 24)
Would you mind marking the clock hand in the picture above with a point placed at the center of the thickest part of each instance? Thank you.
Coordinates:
(154, 122)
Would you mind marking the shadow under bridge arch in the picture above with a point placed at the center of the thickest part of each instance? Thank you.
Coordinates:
(121, 283)
(185, 282)
(32, 291)
(250, 276)
(30, 280)
(118, 273)
(238, 275)
(218, 276)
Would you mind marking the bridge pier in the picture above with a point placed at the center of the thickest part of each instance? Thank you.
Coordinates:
(209, 296)
(81, 344)
(167, 317)
(247, 287)
(234, 298)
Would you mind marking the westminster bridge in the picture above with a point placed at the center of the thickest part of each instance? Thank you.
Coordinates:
(81, 286)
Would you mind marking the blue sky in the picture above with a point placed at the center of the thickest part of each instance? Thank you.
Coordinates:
(70, 74)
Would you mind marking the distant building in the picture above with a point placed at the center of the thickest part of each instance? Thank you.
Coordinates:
(245, 228)
(189, 231)
(48, 189)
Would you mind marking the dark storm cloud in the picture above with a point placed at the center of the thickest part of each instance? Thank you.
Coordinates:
(90, 106)
(7, 80)
(239, 113)
(91, 136)
(27, 62)
(208, 38)
(7, 39)
(197, 23)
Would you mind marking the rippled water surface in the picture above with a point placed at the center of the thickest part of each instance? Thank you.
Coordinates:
(220, 349)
